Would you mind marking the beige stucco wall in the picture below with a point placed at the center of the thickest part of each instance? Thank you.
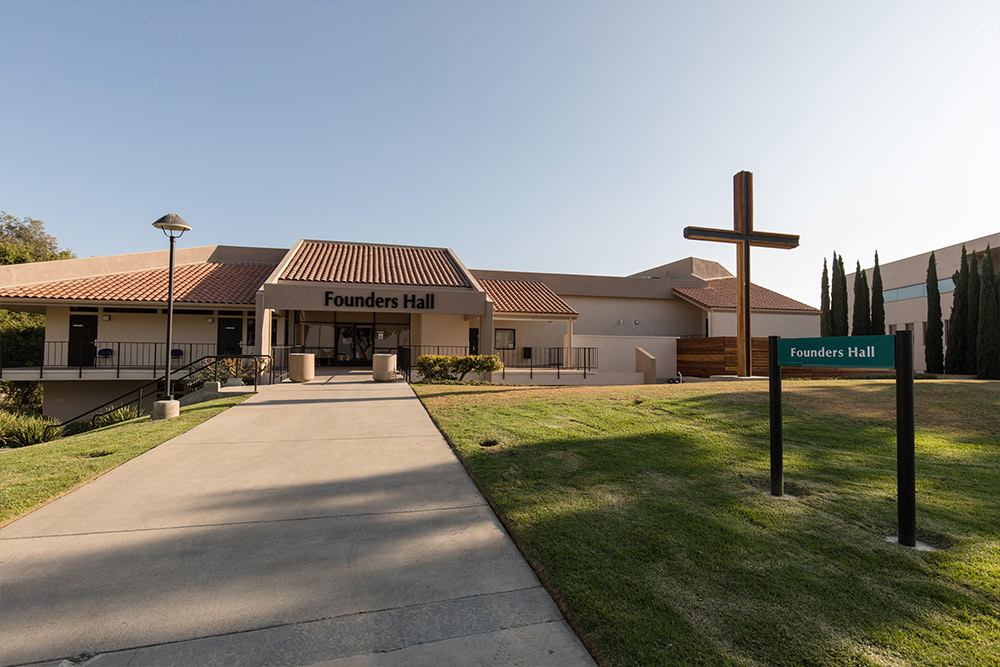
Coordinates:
(787, 325)
(313, 297)
(64, 400)
(616, 354)
(535, 333)
(450, 329)
(657, 317)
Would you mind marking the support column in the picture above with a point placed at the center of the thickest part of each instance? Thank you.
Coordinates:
(486, 337)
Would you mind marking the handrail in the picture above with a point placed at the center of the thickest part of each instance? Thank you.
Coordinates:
(215, 361)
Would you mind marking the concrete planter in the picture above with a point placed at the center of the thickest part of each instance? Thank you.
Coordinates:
(301, 367)
(384, 367)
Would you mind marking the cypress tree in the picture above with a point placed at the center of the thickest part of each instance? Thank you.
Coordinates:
(824, 304)
(972, 316)
(933, 345)
(878, 302)
(861, 318)
(958, 323)
(988, 340)
(838, 298)
(842, 288)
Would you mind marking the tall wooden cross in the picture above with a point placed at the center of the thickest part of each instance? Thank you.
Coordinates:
(744, 236)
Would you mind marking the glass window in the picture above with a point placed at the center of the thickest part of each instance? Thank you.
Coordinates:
(503, 339)
(892, 329)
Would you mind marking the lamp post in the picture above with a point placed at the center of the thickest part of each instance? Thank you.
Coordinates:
(173, 227)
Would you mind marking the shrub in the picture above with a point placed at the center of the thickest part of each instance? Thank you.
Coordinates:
(21, 430)
(475, 363)
(120, 414)
(436, 368)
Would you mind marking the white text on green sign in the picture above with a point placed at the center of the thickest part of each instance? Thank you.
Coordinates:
(838, 352)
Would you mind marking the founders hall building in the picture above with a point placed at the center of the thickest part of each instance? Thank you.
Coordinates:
(344, 302)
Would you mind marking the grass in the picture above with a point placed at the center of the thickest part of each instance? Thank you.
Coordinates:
(645, 510)
(32, 476)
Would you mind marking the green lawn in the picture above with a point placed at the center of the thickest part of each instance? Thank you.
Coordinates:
(32, 476)
(644, 510)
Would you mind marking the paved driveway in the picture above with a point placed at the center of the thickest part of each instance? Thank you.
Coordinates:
(319, 523)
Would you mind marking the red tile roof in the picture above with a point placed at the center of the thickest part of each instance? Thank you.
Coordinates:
(721, 293)
(375, 265)
(524, 296)
(193, 283)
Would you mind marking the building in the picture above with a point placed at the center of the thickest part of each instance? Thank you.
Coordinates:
(904, 289)
(344, 302)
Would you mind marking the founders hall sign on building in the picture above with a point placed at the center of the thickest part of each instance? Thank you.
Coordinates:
(378, 302)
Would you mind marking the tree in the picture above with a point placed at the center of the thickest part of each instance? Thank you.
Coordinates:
(22, 334)
(824, 304)
(972, 316)
(838, 298)
(878, 302)
(933, 335)
(958, 323)
(861, 318)
(988, 339)
(25, 240)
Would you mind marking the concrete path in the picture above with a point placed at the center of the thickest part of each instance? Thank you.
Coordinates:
(320, 523)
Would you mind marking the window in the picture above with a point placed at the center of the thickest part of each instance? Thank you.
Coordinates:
(892, 329)
(503, 339)
(909, 326)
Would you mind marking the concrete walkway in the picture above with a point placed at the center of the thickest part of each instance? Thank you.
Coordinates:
(321, 523)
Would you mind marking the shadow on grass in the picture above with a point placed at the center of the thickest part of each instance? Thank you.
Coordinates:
(647, 517)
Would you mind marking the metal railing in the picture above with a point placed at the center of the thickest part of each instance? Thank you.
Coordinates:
(558, 358)
(105, 355)
(532, 358)
(176, 375)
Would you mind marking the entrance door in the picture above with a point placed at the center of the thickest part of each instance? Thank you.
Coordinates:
(355, 343)
(82, 339)
(473, 340)
(230, 340)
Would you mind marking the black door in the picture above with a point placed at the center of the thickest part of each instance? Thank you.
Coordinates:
(473, 340)
(82, 339)
(230, 339)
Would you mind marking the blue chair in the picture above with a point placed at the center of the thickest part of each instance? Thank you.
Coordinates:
(104, 355)
(176, 354)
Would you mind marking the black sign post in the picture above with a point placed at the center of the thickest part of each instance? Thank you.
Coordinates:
(906, 470)
(857, 352)
(774, 385)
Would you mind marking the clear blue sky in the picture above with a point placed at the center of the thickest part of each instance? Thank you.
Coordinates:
(576, 137)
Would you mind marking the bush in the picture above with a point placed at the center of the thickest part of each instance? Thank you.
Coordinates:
(436, 368)
(21, 430)
(121, 414)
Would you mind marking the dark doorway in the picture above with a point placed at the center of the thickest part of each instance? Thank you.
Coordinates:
(473, 341)
(230, 340)
(82, 339)
(355, 344)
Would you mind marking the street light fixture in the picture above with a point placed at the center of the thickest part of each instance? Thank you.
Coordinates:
(173, 227)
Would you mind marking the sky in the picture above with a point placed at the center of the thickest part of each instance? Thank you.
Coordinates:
(573, 136)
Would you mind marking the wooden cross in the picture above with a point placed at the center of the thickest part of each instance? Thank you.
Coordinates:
(744, 236)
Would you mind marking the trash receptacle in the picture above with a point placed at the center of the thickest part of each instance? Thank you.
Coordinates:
(301, 367)
(384, 367)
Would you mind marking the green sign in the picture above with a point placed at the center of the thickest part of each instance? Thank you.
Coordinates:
(838, 352)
